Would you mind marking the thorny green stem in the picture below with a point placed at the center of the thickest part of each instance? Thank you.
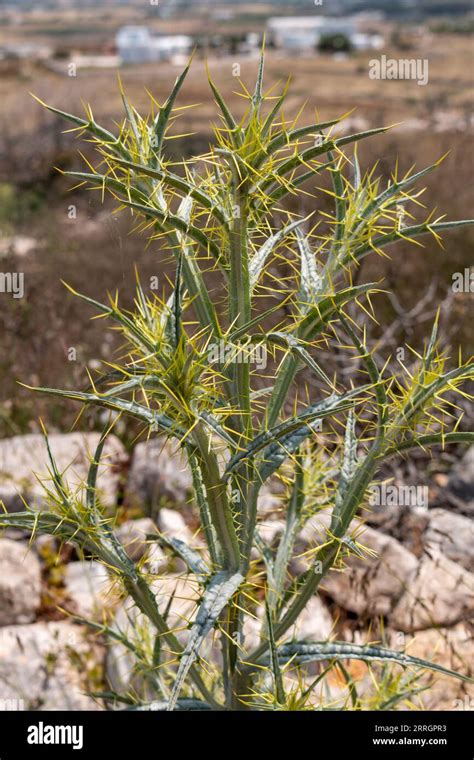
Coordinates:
(220, 511)
(239, 315)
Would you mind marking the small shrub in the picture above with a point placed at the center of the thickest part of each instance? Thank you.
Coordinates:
(334, 43)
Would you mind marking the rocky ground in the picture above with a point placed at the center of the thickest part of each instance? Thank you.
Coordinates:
(416, 593)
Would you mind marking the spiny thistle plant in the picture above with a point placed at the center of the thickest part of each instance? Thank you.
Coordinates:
(239, 424)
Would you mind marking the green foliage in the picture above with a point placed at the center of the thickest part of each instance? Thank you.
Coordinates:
(224, 212)
(17, 208)
(334, 43)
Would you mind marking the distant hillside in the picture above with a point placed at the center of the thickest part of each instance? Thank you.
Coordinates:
(390, 7)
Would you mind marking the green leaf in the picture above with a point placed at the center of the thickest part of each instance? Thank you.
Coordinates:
(131, 117)
(153, 419)
(173, 222)
(91, 492)
(219, 592)
(348, 469)
(350, 685)
(162, 118)
(268, 123)
(331, 405)
(287, 542)
(265, 551)
(118, 316)
(67, 529)
(192, 275)
(59, 485)
(110, 696)
(174, 329)
(284, 139)
(277, 191)
(211, 421)
(300, 652)
(244, 329)
(258, 92)
(373, 373)
(310, 326)
(298, 348)
(299, 159)
(340, 203)
(310, 280)
(274, 660)
(103, 135)
(177, 183)
(422, 441)
(111, 183)
(394, 188)
(259, 258)
(440, 385)
(430, 350)
(181, 549)
(110, 633)
(328, 307)
(275, 454)
(406, 234)
(143, 307)
(228, 118)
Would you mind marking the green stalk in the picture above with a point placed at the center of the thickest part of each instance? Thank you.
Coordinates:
(285, 377)
(239, 299)
(220, 511)
(287, 541)
(204, 511)
(327, 555)
(239, 315)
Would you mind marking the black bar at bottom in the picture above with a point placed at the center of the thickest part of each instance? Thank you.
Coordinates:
(114, 734)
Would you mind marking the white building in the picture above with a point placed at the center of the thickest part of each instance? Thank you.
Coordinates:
(135, 44)
(305, 32)
(25, 50)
